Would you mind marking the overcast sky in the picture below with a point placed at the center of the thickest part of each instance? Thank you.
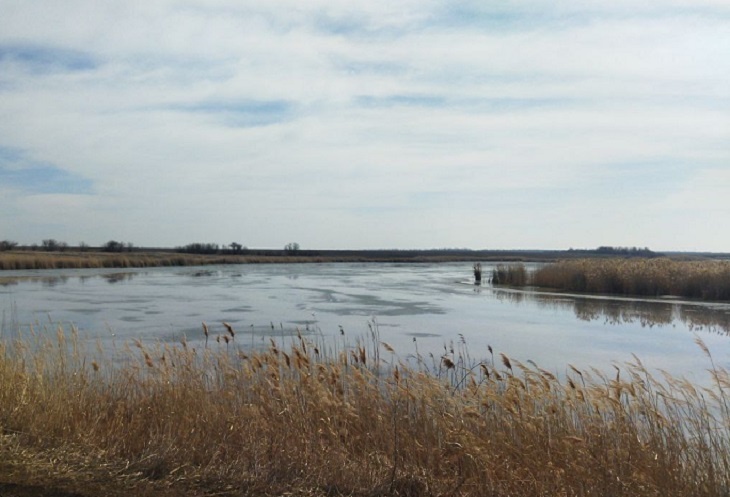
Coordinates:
(373, 124)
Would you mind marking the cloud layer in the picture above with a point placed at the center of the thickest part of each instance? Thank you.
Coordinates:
(367, 124)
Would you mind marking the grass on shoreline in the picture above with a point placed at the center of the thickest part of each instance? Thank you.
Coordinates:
(178, 420)
(706, 280)
(21, 260)
(33, 259)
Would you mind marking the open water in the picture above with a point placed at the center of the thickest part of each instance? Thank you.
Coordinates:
(428, 309)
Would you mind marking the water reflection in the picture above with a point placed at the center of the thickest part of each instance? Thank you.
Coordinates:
(117, 277)
(714, 318)
(202, 273)
(52, 281)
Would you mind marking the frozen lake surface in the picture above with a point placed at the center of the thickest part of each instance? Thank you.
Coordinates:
(429, 306)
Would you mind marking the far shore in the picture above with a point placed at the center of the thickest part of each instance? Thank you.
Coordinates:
(25, 259)
(34, 259)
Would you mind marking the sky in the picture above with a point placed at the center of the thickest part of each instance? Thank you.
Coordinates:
(491, 124)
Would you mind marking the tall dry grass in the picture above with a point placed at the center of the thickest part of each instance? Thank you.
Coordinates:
(707, 280)
(20, 260)
(178, 420)
(510, 274)
(45, 260)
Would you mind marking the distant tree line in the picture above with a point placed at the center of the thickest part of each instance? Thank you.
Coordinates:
(621, 251)
(47, 245)
(115, 246)
(7, 245)
(200, 248)
(213, 248)
(232, 248)
(291, 248)
(53, 245)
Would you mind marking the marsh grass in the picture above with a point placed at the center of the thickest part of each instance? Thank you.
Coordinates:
(26, 259)
(706, 280)
(221, 420)
(510, 274)
(20, 260)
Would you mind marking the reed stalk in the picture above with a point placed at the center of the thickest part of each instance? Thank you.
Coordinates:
(174, 419)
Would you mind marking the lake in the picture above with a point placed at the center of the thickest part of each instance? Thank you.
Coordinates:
(425, 307)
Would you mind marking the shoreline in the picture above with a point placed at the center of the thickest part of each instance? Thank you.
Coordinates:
(27, 259)
(73, 258)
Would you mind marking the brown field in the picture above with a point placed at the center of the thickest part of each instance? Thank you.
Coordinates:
(706, 280)
(218, 420)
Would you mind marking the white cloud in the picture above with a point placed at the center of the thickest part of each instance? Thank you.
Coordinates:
(363, 124)
(704, 194)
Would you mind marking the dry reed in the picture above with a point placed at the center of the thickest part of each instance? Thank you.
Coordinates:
(20, 260)
(179, 420)
(513, 274)
(706, 280)
(26, 259)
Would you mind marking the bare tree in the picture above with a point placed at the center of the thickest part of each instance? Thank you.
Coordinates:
(7, 245)
(51, 245)
(291, 248)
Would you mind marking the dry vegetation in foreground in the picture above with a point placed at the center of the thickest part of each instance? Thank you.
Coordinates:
(174, 420)
(707, 280)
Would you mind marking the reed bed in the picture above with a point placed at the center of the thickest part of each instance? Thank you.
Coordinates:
(21, 260)
(706, 280)
(219, 420)
(512, 274)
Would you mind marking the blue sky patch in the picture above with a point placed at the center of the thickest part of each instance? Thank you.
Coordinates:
(352, 26)
(356, 67)
(47, 59)
(34, 177)
(479, 104)
(245, 114)
(402, 100)
(482, 16)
